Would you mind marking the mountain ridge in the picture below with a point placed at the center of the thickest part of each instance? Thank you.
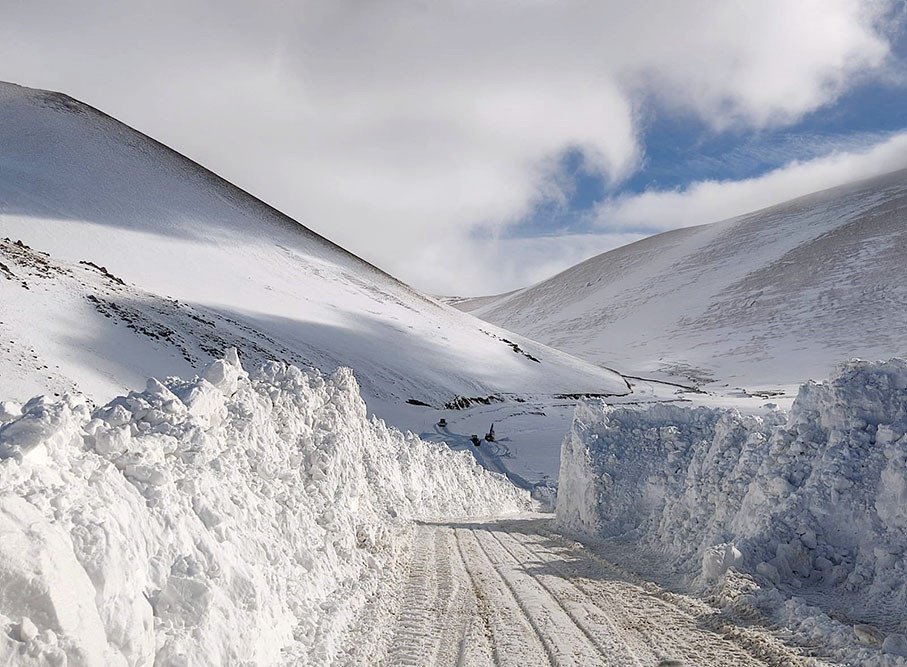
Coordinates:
(686, 303)
(179, 252)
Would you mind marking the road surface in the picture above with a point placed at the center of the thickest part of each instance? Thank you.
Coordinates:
(511, 592)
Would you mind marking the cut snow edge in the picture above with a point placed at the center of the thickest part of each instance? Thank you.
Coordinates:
(812, 503)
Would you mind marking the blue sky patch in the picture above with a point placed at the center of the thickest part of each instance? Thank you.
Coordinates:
(680, 150)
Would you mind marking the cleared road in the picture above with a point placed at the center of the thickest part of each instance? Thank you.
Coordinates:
(511, 592)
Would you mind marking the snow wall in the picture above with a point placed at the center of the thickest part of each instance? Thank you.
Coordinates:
(815, 499)
(233, 519)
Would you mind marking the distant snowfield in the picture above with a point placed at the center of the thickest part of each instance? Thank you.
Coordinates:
(761, 302)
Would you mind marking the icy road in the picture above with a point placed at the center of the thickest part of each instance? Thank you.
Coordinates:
(511, 592)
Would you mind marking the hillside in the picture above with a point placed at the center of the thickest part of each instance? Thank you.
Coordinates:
(123, 259)
(768, 299)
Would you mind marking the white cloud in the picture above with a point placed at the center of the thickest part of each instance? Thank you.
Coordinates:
(515, 262)
(711, 201)
(398, 129)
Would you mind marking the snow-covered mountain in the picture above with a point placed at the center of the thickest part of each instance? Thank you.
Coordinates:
(767, 299)
(123, 259)
(255, 514)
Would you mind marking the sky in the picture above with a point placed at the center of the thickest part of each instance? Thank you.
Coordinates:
(476, 147)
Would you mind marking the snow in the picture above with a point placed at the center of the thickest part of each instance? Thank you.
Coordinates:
(266, 517)
(809, 505)
(235, 518)
(765, 301)
(137, 261)
(509, 592)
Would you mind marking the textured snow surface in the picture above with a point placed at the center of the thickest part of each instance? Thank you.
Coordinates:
(768, 299)
(813, 503)
(231, 519)
(137, 261)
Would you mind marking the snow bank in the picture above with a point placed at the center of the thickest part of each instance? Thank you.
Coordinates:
(231, 519)
(813, 500)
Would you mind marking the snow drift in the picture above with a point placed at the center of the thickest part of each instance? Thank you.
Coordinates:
(232, 519)
(814, 500)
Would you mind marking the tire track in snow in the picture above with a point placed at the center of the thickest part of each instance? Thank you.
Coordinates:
(570, 638)
(644, 628)
(450, 601)
(516, 640)
(461, 641)
(534, 614)
(511, 593)
(677, 627)
(592, 619)
(417, 626)
(644, 631)
(478, 639)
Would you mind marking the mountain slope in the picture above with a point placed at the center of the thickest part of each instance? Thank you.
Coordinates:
(770, 298)
(123, 259)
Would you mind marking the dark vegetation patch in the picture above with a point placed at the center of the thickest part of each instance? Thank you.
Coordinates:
(763, 393)
(33, 263)
(516, 348)
(195, 333)
(196, 336)
(135, 320)
(7, 273)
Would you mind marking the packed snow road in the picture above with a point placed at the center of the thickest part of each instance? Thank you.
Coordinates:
(510, 592)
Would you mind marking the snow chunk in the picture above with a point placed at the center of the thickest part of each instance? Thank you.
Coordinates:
(43, 426)
(719, 559)
(9, 410)
(44, 585)
(226, 373)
